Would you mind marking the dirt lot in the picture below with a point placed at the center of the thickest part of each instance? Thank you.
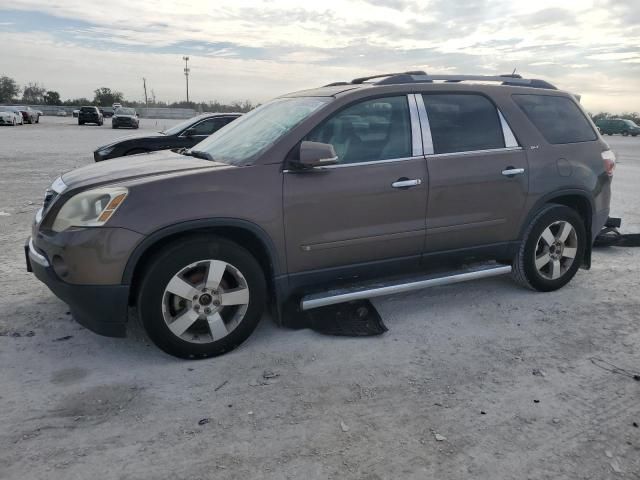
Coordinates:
(457, 361)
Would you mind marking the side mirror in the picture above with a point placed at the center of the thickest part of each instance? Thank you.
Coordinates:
(316, 154)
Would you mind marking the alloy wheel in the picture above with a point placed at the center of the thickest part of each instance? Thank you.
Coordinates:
(205, 301)
(556, 250)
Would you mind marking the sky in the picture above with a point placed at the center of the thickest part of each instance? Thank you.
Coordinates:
(258, 49)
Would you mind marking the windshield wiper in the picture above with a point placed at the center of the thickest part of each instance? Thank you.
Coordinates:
(199, 154)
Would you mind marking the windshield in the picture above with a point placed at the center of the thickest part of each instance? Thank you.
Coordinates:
(125, 111)
(240, 141)
(631, 123)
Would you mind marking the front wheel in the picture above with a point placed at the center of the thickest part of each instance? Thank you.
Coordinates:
(625, 134)
(201, 297)
(552, 249)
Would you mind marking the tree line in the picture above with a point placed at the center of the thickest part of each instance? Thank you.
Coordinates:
(33, 93)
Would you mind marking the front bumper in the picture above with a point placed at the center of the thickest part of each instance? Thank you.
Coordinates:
(100, 308)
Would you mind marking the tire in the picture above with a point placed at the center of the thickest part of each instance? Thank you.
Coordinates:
(634, 134)
(113, 125)
(80, 123)
(560, 268)
(625, 134)
(206, 334)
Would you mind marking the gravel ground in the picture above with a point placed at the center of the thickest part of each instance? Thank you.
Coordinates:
(482, 380)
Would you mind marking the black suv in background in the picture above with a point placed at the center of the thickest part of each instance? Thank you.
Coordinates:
(183, 135)
(90, 115)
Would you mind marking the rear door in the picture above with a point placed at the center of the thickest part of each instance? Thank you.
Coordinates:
(478, 173)
(371, 206)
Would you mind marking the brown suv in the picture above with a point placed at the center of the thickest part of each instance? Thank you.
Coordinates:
(311, 196)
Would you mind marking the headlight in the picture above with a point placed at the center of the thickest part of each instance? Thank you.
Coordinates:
(92, 208)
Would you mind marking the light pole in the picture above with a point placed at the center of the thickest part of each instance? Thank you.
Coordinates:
(186, 74)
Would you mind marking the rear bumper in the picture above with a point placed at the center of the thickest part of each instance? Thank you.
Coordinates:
(100, 308)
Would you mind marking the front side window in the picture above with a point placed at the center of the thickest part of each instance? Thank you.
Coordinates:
(371, 130)
(463, 123)
(558, 118)
(207, 127)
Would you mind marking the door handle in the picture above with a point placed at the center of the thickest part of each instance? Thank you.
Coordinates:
(406, 183)
(512, 172)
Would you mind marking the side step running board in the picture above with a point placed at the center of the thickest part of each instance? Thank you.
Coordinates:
(379, 289)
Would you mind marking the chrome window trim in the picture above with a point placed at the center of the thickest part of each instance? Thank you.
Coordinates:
(476, 152)
(356, 164)
(510, 140)
(416, 134)
(425, 127)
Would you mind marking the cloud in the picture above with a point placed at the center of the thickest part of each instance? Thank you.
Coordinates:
(257, 49)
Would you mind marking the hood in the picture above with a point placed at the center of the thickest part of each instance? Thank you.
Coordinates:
(133, 167)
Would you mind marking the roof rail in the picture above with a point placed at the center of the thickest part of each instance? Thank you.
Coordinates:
(357, 81)
(422, 77)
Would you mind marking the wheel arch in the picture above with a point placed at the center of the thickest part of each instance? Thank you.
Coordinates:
(576, 199)
(244, 233)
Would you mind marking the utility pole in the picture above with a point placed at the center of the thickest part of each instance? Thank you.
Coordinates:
(186, 74)
(144, 84)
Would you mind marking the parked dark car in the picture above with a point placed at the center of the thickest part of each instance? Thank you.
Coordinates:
(125, 117)
(29, 115)
(183, 135)
(90, 115)
(349, 191)
(612, 126)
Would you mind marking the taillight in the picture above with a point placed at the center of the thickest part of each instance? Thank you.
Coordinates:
(609, 159)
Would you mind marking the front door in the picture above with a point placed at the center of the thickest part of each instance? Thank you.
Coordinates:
(369, 207)
(478, 174)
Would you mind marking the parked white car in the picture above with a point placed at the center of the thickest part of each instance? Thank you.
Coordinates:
(61, 113)
(10, 116)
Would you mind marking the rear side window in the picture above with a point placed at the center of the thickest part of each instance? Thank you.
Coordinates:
(558, 118)
(463, 123)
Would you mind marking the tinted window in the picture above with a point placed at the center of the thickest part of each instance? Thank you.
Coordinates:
(88, 109)
(558, 118)
(463, 123)
(376, 129)
(209, 126)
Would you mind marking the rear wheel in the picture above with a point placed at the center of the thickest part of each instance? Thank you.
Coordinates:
(552, 249)
(625, 134)
(201, 297)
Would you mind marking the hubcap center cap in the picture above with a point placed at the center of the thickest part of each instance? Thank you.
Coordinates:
(205, 299)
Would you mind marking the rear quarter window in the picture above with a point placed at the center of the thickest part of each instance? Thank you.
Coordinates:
(558, 119)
